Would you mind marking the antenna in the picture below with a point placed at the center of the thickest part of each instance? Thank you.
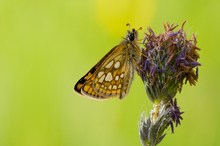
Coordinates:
(140, 28)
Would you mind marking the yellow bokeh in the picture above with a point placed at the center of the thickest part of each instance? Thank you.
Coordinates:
(115, 14)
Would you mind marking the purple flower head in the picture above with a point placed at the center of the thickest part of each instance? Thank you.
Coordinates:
(169, 60)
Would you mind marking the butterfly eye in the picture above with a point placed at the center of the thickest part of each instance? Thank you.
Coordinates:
(131, 36)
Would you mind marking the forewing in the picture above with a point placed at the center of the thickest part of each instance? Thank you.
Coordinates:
(106, 78)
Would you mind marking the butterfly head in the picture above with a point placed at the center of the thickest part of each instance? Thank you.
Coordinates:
(132, 34)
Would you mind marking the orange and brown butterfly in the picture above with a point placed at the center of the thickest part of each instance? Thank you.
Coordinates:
(113, 74)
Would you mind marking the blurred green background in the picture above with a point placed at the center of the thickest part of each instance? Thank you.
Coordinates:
(47, 45)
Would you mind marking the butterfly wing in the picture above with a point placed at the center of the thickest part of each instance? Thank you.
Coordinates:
(111, 76)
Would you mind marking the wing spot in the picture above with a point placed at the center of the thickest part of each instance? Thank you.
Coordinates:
(109, 77)
(114, 87)
(116, 78)
(109, 64)
(117, 65)
(101, 79)
(113, 92)
(122, 75)
(100, 74)
(86, 88)
(90, 90)
(119, 86)
(110, 87)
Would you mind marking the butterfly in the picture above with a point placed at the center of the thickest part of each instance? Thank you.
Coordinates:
(113, 74)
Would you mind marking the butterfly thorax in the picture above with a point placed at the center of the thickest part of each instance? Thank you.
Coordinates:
(133, 49)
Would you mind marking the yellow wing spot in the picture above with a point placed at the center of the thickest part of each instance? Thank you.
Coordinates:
(108, 92)
(119, 86)
(90, 90)
(87, 76)
(108, 77)
(113, 92)
(117, 65)
(97, 86)
(109, 64)
(86, 88)
(79, 86)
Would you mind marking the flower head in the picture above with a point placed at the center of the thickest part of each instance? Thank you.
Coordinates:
(169, 60)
